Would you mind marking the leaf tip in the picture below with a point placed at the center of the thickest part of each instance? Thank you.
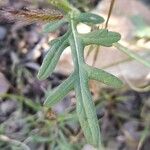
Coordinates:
(40, 76)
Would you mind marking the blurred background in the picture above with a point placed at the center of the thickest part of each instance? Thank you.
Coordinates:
(124, 114)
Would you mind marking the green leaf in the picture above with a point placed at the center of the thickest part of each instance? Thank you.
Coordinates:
(62, 4)
(53, 26)
(86, 113)
(132, 55)
(88, 18)
(82, 73)
(103, 76)
(85, 108)
(60, 92)
(51, 59)
(101, 37)
(41, 139)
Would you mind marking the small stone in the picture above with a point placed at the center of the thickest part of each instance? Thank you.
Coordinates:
(7, 107)
(3, 32)
(88, 147)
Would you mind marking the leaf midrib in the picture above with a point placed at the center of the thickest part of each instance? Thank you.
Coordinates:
(80, 69)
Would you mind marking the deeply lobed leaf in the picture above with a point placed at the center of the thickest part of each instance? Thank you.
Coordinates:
(82, 72)
(85, 108)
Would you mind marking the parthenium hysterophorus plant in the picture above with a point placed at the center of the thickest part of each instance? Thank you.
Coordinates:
(82, 73)
(78, 80)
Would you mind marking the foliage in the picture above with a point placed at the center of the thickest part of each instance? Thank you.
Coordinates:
(82, 73)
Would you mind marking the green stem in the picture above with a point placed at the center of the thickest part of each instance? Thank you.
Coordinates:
(132, 55)
(85, 106)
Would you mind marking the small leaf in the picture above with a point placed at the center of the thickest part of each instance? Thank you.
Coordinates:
(60, 92)
(51, 59)
(132, 55)
(63, 4)
(53, 26)
(101, 37)
(88, 18)
(83, 119)
(103, 76)
(86, 112)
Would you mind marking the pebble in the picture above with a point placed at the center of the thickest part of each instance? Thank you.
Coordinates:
(7, 107)
(3, 32)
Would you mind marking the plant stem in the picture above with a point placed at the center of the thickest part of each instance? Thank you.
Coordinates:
(131, 54)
